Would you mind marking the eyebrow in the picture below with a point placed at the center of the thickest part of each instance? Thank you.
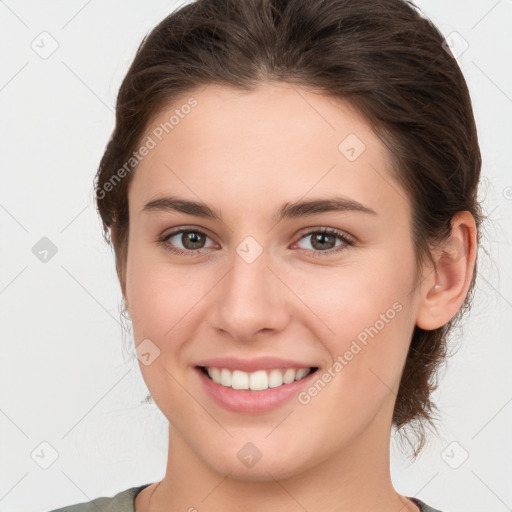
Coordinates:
(287, 211)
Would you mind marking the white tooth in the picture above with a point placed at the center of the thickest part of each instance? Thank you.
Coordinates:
(289, 376)
(214, 374)
(301, 373)
(275, 379)
(258, 380)
(225, 377)
(239, 380)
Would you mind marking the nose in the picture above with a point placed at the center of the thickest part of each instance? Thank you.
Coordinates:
(252, 300)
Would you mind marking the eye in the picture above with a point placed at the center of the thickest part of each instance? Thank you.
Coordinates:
(324, 239)
(193, 241)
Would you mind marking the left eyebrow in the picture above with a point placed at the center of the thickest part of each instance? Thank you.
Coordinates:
(287, 211)
(315, 206)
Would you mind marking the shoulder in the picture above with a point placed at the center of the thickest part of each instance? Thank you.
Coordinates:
(423, 506)
(121, 502)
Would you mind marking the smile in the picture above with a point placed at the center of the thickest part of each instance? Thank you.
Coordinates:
(254, 392)
(258, 380)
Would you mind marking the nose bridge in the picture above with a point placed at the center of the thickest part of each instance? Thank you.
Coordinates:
(251, 297)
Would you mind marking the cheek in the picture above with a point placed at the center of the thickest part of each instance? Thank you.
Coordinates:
(351, 298)
(161, 299)
(367, 321)
(159, 294)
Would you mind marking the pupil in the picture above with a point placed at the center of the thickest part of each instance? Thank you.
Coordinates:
(321, 238)
(194, 239)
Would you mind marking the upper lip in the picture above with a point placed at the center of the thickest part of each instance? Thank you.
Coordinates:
(253, 364)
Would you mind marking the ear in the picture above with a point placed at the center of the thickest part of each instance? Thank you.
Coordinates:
(444, 287)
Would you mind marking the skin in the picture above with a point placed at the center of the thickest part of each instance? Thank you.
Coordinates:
(246, 154)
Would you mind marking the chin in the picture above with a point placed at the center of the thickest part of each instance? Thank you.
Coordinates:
(270, 466)
(261, 472)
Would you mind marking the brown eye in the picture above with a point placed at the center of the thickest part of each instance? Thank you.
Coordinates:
(192, 241)
(324, 241)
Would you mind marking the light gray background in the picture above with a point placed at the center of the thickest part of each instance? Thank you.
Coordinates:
(66, 377)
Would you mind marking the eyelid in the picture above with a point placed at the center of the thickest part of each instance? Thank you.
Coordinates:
(163, 240)
(348, 240)
(326, 229)
(303, 232)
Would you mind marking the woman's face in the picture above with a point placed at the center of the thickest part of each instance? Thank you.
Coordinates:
(252, 284)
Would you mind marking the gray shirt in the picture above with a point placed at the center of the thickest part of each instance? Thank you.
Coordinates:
(125, 502)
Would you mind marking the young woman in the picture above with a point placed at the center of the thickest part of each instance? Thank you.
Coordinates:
(290, 190)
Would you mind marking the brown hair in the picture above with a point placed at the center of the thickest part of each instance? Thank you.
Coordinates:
(382, 56)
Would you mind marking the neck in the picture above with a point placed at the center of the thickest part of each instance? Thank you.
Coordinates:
(354, 479)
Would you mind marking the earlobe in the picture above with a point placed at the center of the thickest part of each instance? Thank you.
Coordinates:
(445, 286)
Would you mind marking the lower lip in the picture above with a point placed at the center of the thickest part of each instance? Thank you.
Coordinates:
(246, 401)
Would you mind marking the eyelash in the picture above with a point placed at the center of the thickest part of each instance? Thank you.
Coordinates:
(347, 242)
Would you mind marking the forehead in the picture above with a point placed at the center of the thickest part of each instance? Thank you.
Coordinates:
(276, 142)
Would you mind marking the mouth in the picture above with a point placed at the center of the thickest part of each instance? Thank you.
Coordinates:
(257, 385)
(260, 380)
